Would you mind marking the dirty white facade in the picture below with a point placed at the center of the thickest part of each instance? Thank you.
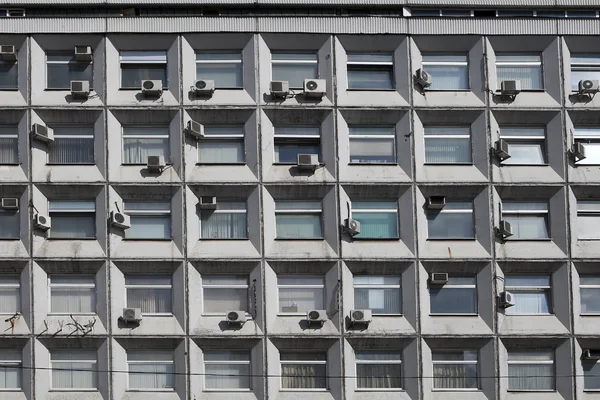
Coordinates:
(432, 173)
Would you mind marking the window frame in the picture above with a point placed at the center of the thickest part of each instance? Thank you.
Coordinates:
(534, 362)
(15, 214)
(525, 139)
(12, 64)
(91, 136)
(514, 289)
(66, 213)
(149, 213)
(585, 67)
(595, 364)
(15, 136)
(587, 135)
(297, 61)
(509, 64)
(376, 286)
(145, 362)
(5, 283)
(321, 286)
(545, 213)
(456, 362)
(205, 388)
(226, 211)
(141, 63)
(594, 213)
(593, 286)
(222, 61)
(306, 211)
(225, 287)
(468, 136)
(89, 64)
(297, 139)
(88, 361)
(450, 286)
(377, 211)
(385, 66)
(166, 136)
(446, 210)
(307, 362)
(221, 138)
(379, 362)
(151, 286)
(73, 285)
(379, 136)
(17, 364)
(441, 63)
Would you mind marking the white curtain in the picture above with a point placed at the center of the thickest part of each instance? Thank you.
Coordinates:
(455, 376)
(150, 300)
(10, 369)
(73, 369)
(447, 150)
(227, 376)
(9, 300)
(530, 76)
(71, 151)
(218, 300)
(380, 301)
(449, 77)
(528, 226)
(225, 151)
(8, 150)
(375, 150)
(217, 225)
(137, 150)
(379, 376)
(530, 303)
(224, 68)
(151, 376)
(73, 300)
(378, 225)
(300, 299)
(303, 376)
(531, 376)
(301, 226)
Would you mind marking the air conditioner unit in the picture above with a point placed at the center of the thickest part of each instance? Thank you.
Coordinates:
(315, 88)
(505, 229)
(579, 151)
(307, 161)
(43, 133)
(196, 129)
(10, 203)
(438, 278)
(352, 226)
(510, 88)
(80, 88)
(436, 202)
(8, 53)
(152, 87)
(279, 88)
(132, 315)
(41, 222)
(83, 53)
(316, 316)
(204, 87)
(423, 78)
(236, 317)
(501, 150)
(155, 163)
(207, 203)
(361, 316)
(120, 220)
(586, 86)
(591, 354)
(506, 300)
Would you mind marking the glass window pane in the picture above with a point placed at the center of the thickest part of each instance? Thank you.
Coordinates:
(528, 226)
(448, 150)
(10, 369)
(9, 224)
(223, 225)
(379, 376)
(589, 280)
(530, 303)
(137, 150)
(385, 58)
(448, 300)
(9, 75)
(222, 300)
(73, 226)
(295, 74)
(223, 151)
(300, 280)
(287, 151)
(590, 300)
(300, 300)
(151, 376)
(149, 227)
(379, 301)
(450, 225)
(298, 226)
(377, 225)
(530, 76)
(591, 375)
(588, 226)
(224, 68)
(577, 76)
(304, 376)
(150, 300)
(60, 75)
(369, 77)
(372, 150)
(531, 377)
(297, 205)
(448, 77)
(132, 75)
(227, 376)
(9, 146)
(527, 280)
(455, 376)
(72, 300)
(523, 152)
(69, 147)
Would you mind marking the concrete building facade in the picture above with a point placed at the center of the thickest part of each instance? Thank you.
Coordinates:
(478, 254)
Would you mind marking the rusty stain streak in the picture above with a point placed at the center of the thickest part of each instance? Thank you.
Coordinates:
(449, 253)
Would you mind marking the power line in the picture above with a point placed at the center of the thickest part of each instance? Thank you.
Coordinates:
(283, 376)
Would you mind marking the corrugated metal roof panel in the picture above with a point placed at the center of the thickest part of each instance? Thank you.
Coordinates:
(176, 24)
(333, 25)
(578, 27)
(462, 26)
(483, 3)
(52, 25)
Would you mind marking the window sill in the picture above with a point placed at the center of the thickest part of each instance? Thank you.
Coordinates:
(221, 164)
(524, 165)
(296, 314)
(530, 314)
(448, 90)
(228, 390)
(360, 239)
(305, 390)
(70, 165)
(297, 239)
(380, 390)
(9, 90)
(63, 314)
(498, 93)
(531, 391)
(529, 240)
(451, 164)
(70, 238)
(293, 164)
(9, 239)
(228, 239)
(453, 239)
(590, 315)
(371, 90)
(168, 315)
(359, 164)
(388, 315)
(74, 390)
(224, 314)
(588, 240)
(172, 390)
(148, 240)
(10, 165)
(454, 315)
(139, 89)
(168, 164)
(68, 89)
(456, 390)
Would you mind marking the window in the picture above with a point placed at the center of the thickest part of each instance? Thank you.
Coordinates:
(378, 219)
(589, 289)
(294, 68)
(531, 294)
(72, 294)
(455, 369)
(151, 294)
(72, 219)
(62, 68)
(584, 67)
(9, 75)
(139, 142)
(526, 68)
(590, 139)
(458, 296)
(9, 144)
(526, 145)
(529, 219)
(370, 71)
(228, 221)
(454, 221)
(293, 140)
(300, 293)
(303, 370)
(151, 370)
(448, 71)
(149, 219)
(10, 224)
(222, 144)
(591, 375)
(377, 369)
(225, 68)
(11, 369)
(380, 294)
(72, 145)
(228, 370)
(531, 370)
(10, 295)
(138, 66)
(298, 219)
(223, 293)
(372, 145)
(588, 219)
(73, 369)
(448, 145)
